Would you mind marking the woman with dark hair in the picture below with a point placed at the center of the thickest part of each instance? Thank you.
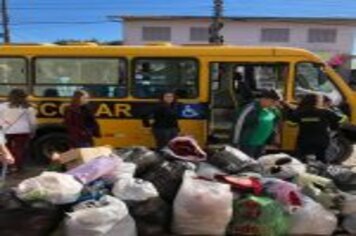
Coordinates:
(165, 120)
(314, 122)
(18, 122)
(80, 121)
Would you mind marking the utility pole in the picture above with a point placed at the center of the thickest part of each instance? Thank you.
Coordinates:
(217, 24)
(5, 21)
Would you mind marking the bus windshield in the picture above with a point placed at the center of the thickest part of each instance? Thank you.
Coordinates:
(312, 78)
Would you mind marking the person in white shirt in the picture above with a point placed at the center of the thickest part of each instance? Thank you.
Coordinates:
(18, 121)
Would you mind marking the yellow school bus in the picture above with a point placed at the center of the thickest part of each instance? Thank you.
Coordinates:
(125, 81)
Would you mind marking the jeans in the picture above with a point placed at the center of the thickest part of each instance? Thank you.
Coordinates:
(163, 136)
(17, 145)
(304, 150)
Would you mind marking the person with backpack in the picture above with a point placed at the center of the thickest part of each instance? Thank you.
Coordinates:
(315, 123)
(80, 121)
(256, 123)
(18, 122)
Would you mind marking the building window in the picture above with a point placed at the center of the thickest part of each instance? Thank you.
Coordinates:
(275, 35)
(156, 33)
(322, 35)
(199, 34)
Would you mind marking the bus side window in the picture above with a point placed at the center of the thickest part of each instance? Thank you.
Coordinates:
(250, 78)
(13, 74)
(60, 77)
(310, 78)
(153, 76)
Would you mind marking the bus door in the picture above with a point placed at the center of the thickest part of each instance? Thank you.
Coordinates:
(234, 85)
(223, 102)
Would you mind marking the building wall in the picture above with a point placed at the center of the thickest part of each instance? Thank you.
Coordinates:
(246, 33)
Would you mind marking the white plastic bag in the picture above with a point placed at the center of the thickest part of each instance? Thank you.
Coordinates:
(107, 217)
(123, 171)
(208, 171)
(54, 187)
(202, 207)
(130, 189)
(286, 170)
(312, 219)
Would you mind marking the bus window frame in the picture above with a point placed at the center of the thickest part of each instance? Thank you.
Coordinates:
(288, 64)
(33, 74)
(133, 79)
(259, 63)
(27, 82)
(296, 63)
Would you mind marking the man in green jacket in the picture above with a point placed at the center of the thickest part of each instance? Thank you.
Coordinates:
(256, 123)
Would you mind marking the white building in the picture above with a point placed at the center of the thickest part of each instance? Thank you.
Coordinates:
(325, 36)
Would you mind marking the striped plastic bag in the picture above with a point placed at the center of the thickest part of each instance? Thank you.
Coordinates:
(258, 216)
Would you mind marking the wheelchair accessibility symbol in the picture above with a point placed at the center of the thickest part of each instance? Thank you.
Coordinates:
(189, 112)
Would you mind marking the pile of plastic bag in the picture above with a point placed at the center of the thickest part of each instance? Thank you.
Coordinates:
(185, 191)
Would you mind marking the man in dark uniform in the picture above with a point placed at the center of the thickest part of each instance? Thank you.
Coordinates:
(315, 124)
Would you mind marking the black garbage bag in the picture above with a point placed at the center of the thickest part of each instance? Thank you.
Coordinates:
(152, 216)
(143, 157)
(233, 161)
(19, 218)
(167, 178)
(343, 177)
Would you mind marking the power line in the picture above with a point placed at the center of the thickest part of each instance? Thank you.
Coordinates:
(60, 22)
(124, 5)
(107, 8)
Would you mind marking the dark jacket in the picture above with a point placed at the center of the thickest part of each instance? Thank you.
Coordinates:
(81, 124)
(163, 115)
(314, 125)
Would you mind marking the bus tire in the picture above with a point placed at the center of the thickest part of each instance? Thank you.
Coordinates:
(340, 150)
(44, 146)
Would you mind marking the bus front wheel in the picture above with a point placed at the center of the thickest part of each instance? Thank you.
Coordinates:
(44, 146)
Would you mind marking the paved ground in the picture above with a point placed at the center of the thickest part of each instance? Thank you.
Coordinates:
(30, 171)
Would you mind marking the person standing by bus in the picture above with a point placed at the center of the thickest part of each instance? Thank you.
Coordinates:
(80, 121)
(256, 124)
(165, 124)
(315, 123)
(18, 121)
